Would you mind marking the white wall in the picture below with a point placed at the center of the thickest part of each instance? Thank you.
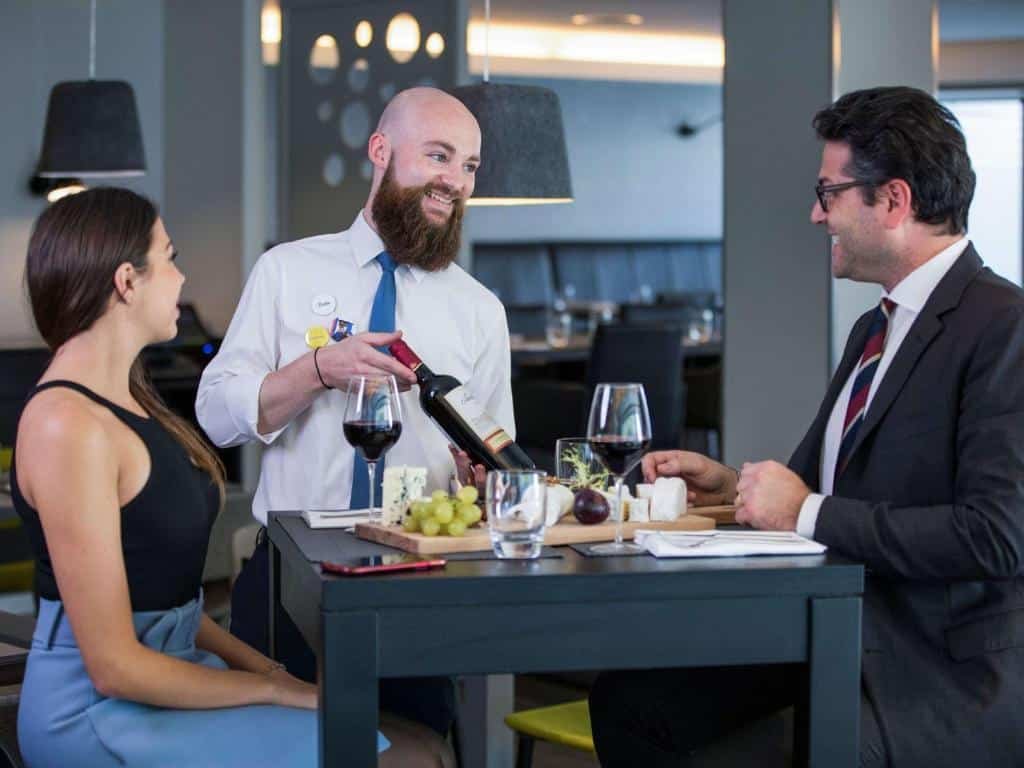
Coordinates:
(632, 175)
(42, 43)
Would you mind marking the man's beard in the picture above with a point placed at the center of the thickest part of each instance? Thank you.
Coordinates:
(408, 234)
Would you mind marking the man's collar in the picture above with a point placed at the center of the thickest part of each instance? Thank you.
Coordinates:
(366, 244)
(913, 291)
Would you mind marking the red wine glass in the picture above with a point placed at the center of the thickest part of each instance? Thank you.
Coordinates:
(373, 423)
(619, 430)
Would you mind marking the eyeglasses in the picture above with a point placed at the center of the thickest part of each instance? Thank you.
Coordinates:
(825, 191)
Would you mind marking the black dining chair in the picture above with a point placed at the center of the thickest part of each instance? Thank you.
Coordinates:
(653, 356)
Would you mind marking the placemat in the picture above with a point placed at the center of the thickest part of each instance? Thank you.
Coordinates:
(587, 551)
(326, 543)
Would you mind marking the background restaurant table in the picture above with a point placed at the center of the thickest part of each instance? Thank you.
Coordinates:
(571, 613)
(532, 352)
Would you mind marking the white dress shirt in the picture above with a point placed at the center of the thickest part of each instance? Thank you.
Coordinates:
(910, 295)
(450, 320)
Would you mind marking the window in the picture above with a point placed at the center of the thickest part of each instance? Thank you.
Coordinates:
(994, 128)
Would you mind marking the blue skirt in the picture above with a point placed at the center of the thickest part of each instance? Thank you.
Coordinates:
(63, 720)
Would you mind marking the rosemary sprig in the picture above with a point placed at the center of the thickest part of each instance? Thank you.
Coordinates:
(583, 475)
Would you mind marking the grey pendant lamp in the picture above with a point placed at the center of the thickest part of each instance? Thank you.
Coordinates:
(523, 154)
(92, 126)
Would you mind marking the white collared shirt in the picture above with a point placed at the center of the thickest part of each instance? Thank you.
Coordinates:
(450, 320)
(910, 295)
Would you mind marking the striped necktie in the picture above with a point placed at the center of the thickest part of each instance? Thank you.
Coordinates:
(382, 318)
(858, 404)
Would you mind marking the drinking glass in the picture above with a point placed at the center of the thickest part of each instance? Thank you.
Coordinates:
(619, 430)
(573, 457)
(515, 511)
(373, 423)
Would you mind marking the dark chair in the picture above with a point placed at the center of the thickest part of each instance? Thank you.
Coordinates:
(20, 369)
(704, 406)
(15, 640)
(653, 356)
(546, 410)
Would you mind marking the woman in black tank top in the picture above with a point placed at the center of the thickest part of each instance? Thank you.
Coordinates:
(118, 496)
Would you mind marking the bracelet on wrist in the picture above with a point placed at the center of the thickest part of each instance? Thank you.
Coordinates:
(317, 366)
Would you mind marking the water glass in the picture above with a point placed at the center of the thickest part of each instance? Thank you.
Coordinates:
(515, 512)
(558, 327)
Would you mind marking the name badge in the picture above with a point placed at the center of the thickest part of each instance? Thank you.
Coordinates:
(323, 304)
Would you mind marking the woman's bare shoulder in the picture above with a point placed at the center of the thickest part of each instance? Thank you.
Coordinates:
(60, 423)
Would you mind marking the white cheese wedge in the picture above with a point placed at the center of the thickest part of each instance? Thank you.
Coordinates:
(644, 490)
(668, 502)
(401, 486)
(639, 510)
(557, 504)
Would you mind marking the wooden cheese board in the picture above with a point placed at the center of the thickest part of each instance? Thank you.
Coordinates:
(722, 515)
(568, 531)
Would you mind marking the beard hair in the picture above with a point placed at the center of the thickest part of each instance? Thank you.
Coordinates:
(408, 234)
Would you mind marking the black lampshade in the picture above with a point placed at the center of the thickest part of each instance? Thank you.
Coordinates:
(523, 157)
(92, 129)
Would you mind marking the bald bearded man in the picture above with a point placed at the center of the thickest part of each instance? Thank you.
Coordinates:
(267, 385)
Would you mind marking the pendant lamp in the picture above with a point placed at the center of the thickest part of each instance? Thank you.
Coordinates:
(523, 153)
(92, 126)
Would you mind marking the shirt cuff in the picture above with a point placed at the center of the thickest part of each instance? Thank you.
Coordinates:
(808, 517)
(242, 403)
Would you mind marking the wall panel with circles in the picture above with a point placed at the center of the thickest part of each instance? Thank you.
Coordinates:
(342, 61)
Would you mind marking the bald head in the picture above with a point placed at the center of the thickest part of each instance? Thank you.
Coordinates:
(417, 107)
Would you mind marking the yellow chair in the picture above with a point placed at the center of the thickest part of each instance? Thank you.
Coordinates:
(567, 724)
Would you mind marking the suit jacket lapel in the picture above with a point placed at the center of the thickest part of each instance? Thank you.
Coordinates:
(926, 327)
(806, 459)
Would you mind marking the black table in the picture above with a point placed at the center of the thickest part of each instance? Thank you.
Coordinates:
(574, 613)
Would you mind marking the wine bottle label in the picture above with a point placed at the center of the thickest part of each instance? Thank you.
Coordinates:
(493, 436)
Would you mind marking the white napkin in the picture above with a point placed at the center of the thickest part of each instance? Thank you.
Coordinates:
(725, 543)
(335, 518)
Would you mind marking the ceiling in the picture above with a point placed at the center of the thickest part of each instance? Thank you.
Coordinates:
(958, 19)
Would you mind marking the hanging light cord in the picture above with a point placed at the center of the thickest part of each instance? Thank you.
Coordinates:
(92, 40)
(487, 40)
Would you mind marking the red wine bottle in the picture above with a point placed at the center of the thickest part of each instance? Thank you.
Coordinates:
(463, 420)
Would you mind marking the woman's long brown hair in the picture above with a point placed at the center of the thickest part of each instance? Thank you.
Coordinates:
(76, 246)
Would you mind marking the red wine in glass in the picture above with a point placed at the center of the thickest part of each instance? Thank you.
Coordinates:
(619, 454)
(372, 439)
(619, 430)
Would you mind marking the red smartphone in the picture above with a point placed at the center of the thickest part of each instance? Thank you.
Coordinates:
(381, 564)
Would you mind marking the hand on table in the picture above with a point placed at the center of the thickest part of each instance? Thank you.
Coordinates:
(708, 483)
(769, 496)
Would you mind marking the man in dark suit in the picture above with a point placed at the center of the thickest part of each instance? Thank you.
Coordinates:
(914, 466)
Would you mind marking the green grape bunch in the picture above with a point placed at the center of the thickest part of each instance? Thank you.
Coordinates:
(443, 515)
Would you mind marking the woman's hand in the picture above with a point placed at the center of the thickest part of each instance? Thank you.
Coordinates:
(289, 691)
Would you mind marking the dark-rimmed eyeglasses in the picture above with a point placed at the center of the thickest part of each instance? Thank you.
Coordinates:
(825, 191)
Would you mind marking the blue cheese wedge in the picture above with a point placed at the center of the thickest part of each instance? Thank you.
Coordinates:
(401, 486)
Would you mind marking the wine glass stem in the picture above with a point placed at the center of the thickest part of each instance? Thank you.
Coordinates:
(618, 509)
(371, 470)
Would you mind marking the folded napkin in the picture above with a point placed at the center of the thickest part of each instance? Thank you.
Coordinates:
(725, 543)
(335, 518)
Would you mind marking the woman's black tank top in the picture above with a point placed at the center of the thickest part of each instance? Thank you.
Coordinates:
(165, 528)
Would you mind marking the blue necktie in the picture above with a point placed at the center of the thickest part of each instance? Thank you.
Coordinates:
(382, 319)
